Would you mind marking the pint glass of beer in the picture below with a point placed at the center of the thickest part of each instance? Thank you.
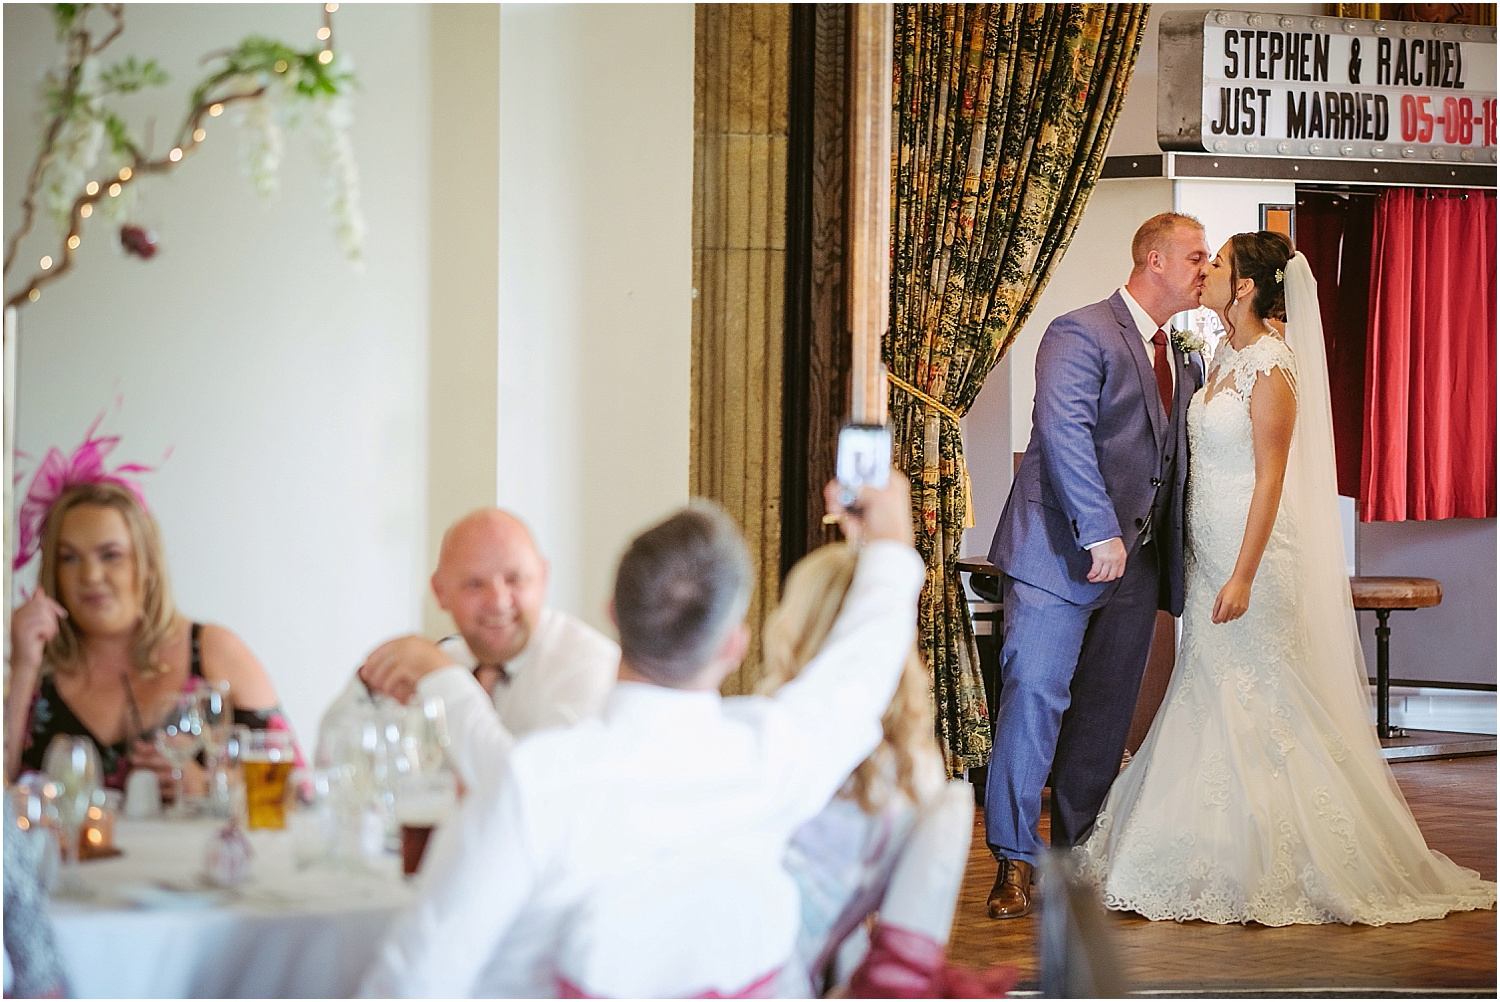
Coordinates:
(423, 801)
(266, 758)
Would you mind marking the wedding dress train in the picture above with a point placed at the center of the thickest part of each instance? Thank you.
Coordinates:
(1257, 797)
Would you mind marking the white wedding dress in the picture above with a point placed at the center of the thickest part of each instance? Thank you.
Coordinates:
(1256, 797)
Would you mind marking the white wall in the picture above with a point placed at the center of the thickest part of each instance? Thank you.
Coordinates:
(596, 155)
(1454, 642)
(289, 387)
(463, 350)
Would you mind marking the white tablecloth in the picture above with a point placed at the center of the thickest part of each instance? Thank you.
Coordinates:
(287, 932)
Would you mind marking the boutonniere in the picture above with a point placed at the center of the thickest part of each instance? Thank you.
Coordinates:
(1187, 341)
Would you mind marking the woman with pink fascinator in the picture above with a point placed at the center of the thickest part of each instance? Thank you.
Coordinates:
(99, 648)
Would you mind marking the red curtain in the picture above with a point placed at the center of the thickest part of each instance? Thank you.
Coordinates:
(1334, 231)
(1429, 444)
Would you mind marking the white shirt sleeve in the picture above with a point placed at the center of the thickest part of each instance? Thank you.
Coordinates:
(478, 743)
(837, 701)
(479, 873)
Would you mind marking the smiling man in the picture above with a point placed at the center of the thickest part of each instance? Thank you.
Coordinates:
(516, 666)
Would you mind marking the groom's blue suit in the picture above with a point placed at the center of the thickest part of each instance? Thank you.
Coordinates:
(1105, 459)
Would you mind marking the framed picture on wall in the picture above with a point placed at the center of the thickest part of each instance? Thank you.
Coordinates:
(1279, 219)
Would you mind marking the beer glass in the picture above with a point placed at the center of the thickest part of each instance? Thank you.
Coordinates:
(423, 801)
(266, 761)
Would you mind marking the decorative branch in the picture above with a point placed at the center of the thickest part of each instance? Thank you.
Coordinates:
(311, 75)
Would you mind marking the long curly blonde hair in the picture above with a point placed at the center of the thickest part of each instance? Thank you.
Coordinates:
(158, 613)
(795, 631)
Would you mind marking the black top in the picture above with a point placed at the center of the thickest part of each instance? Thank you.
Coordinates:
(51, 716)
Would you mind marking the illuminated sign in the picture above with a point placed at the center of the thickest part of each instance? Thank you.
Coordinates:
(1286, 85)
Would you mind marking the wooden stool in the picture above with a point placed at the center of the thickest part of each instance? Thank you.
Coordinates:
(1383, 596)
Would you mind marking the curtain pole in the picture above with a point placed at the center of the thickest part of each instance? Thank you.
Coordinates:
(871, 64)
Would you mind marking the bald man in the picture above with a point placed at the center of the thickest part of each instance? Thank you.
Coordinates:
(517, 665)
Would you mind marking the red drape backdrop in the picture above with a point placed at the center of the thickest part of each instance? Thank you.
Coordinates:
(1334, 231)
(1429, 444)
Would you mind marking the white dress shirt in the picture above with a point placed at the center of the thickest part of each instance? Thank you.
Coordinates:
(563, 675)
(640, 853)
(1148, 329)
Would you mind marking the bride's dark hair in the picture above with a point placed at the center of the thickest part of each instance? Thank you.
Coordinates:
(1261, 257)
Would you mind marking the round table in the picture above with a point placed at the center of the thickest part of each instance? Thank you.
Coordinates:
(151, 930)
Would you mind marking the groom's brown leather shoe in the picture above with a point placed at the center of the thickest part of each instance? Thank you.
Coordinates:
(1011, 895)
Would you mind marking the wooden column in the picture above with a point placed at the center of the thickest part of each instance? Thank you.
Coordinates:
(870, 74)
(739, 251)
(815, 393)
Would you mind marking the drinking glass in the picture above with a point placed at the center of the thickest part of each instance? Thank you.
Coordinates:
(217, 710)
(178, 739)
(423, 801)
(72, 763)
(266, 760)
(426, 734)
(35, 799)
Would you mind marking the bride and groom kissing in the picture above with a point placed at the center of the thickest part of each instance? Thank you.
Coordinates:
(1260, 793)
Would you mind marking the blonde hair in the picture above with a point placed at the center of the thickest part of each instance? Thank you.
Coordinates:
(158, 614)
(795, 632)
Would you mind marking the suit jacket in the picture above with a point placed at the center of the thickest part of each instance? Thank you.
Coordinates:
(1104, 457)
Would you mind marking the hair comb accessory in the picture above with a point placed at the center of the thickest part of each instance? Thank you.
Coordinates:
(1280, 276)
(57, 473)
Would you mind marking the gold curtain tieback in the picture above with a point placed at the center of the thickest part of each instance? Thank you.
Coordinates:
(956, 418)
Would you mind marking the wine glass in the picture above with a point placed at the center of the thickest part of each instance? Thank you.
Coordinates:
(72, 763)
(178, 739)
(217, 711)
(426, 734)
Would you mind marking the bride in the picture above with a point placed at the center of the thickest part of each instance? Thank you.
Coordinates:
(1260, 793)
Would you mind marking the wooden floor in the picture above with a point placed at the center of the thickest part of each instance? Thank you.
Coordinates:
(1453, 801)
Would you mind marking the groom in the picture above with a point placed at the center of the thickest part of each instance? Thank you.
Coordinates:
(1090, 544)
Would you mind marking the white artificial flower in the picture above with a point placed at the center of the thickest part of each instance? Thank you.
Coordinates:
(331, 118)
(261, 143)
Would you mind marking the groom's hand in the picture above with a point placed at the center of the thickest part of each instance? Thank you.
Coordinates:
(1109, 560)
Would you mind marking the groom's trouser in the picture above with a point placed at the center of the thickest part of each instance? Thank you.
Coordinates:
(1069, 679)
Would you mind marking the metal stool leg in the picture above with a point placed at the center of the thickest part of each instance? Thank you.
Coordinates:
(1383, 676)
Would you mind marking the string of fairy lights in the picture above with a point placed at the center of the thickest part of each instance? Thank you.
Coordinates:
(190, 137)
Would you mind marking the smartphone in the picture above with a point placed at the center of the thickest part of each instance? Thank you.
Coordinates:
(864, 459)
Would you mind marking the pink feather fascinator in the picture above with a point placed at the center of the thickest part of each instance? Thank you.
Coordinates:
(57, 473)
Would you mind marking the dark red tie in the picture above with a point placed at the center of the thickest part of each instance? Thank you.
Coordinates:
(1163, 370)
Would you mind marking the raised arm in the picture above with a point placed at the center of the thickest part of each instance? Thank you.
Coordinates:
(478, 743)
(1273, 412)
(34, 622)
(834, 706)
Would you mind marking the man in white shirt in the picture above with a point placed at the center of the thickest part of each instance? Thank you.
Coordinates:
(542, 668)
(640, 854)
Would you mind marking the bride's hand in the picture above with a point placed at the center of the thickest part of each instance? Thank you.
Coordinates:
(1233, 600)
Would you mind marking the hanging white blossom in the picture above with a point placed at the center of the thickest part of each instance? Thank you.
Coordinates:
(261, 142)
(78, 146)
(332, 117)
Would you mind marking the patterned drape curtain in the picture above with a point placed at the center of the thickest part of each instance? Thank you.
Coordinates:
(1002, 114)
